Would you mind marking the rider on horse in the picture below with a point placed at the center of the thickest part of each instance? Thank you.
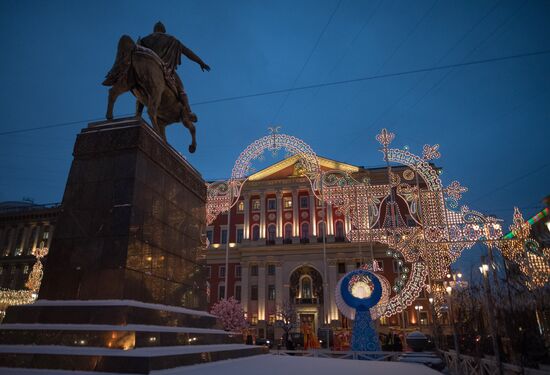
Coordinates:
(170, 49)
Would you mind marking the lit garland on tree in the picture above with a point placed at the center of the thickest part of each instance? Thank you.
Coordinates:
(11, 297)
(231, 314)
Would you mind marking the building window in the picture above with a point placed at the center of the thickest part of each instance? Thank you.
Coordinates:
(238, 270)
(384, 321)
(271, 204)
(221, 272)
(6, 242)
(221, 291)
(30, 242)
(46, 233)
(271, 233)
(305, 231)
(26, 269)
(255, 233)
(223, 236)
(254, 292)
(321, 233)
(19, 242)
(272, 319)
(341, 267)
(240, 207)
(339, 229)
(304, 202)
(271, 270)
(254, 270)
(255, 205)
(305, 288)
(379, 265)
(271, 292)
(238, 292)
(287, 203)
(208, 272)
(423, 318)
(240, 235)
(288, 231)
(254, 319)
(397, 268)
(210, 236)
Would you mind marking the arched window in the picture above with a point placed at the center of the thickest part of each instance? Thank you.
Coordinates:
(339, 229)
(305, 231)
(255, 233)
(288, 231)
(271, 230)
(321, 232)
(305, 287)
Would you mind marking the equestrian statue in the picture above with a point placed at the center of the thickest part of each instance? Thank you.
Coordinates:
(148, 69)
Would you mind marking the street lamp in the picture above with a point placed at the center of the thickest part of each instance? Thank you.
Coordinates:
(449, 290)
(484, 269)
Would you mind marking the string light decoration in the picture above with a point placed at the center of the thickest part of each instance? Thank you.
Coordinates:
(223, 195)
(436, 230)
(35, 277)
(532, 261)
(9, 297)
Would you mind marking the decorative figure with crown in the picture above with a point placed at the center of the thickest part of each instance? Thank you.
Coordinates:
(356, 293)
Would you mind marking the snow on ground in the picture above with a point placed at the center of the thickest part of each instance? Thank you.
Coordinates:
(271, 365)
(276, 365)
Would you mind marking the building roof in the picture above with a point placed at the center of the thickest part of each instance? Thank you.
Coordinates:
(282, 168)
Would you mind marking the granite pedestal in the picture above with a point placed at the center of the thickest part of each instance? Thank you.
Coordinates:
(125, 273)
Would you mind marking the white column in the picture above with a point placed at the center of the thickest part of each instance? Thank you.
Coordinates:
(332, 276)
(278, 285)
(244, 287)
(279, 231)
(347, 223)
(246, 229)
(312, 219)
(295, 215)
(330, 222)
(261, 291)
(262, 215)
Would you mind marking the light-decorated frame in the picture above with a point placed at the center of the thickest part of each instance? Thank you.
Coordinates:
(440, 231)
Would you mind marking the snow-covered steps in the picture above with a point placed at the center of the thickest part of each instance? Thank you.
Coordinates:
(116, 312)
(136, 361)
(114, 336)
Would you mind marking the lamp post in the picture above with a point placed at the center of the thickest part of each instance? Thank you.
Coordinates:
(484, 269)
(434, 323)
(449, 290)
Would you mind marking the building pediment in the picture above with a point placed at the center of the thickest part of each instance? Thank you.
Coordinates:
(291, 167)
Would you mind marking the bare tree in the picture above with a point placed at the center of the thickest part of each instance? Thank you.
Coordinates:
(288, 319)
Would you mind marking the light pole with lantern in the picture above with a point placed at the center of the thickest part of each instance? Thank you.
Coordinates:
(484, 269)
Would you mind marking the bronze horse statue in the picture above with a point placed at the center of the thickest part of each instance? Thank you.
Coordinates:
(141, 71)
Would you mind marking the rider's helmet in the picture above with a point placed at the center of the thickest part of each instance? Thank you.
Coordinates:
(159, 28)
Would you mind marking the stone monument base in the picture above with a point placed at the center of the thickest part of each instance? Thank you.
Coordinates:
(124, 284)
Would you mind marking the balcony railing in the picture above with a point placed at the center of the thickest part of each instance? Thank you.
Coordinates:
(306, 301)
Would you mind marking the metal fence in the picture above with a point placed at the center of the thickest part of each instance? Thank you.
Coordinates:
(467, 365)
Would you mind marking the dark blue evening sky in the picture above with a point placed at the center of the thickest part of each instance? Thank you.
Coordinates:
(491, 120)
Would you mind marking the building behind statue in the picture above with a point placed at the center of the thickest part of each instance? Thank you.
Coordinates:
(24, 226)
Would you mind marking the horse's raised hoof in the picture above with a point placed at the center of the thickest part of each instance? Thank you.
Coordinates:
(192, 148)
